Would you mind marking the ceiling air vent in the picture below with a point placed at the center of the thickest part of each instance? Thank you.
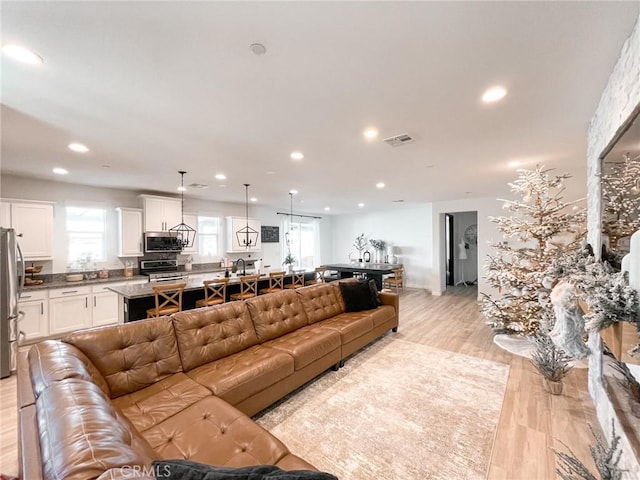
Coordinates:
(199, 185)
(398, 140)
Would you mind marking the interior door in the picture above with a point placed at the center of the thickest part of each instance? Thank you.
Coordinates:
(448, 229)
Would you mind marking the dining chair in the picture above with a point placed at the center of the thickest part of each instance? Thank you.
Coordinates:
(396, 280)
(276, 283)
(168, 299)
(248, 287)
(297, 280)
(319, 276)
(215, 292)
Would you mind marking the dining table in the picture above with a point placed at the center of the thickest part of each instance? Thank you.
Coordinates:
(372, 270)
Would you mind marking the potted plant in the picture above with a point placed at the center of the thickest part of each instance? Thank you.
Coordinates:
(289, 260)
(378, 246)
(551, 363)
(360, 245)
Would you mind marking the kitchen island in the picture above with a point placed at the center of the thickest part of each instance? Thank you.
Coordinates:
(135, 300)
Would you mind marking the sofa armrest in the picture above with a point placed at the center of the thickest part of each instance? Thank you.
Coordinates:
(393, 299)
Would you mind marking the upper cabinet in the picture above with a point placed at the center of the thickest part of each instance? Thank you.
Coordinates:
(236, 236)
(33, 222)
(129, 232)
(161, 213)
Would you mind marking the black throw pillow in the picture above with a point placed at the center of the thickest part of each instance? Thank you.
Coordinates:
(374, 292)
(358, 296)
(188, 470)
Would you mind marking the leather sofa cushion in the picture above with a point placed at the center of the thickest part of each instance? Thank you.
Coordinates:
(238, 376)
(52, 361)
(307, 345)
(212, 431)
(81, 435)
(275, 314)
(350, 325)
(382, 315)
(207, 334)
(154, 404)
(131, 356)
(320, 301)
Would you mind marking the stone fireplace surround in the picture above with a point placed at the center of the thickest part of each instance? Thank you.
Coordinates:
(619, 103)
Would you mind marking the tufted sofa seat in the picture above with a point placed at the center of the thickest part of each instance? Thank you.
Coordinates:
(105, 403)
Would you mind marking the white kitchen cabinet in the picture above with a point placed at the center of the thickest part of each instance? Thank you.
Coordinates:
(235, 245)
(129, 232)
(191, 220)
(33, 222)
(34, 316)
(5, 215)
(104, 304)
(69, 309)
(161, 213)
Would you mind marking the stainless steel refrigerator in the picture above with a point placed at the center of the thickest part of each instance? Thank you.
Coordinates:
(11, 281)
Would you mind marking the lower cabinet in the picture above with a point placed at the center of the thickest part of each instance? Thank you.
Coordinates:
(104, 305)
(69, 309)
(34, 316)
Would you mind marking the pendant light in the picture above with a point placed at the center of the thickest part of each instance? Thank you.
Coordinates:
(287, 235)
(185, 235)
(247, 236)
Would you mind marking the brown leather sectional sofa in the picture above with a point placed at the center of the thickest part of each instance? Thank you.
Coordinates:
(104, 403)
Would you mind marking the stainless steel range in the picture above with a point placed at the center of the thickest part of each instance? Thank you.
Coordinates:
(162, 270)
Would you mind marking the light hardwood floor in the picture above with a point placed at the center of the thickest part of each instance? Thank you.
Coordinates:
(532, 421)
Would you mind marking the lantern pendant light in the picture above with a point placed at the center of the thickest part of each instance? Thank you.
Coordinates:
(185, 235)
(247, 237)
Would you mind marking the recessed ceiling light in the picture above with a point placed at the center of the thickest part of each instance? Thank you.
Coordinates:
(380, 185)
(297, 156)
(106, 166)
(293, 192)
(514, 164)
(182, 189)
(222, 186)
(258, 49)
(326, 209)
(253, 199)
(78, 147)
(370, 133)
(60, 171)
(271, 172)
(494, 94)
(22, 54)
(221, 176)
(361, 205)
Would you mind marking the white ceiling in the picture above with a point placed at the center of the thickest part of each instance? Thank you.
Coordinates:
(153, 88)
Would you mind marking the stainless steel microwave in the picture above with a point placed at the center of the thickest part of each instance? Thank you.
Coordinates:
(161, 242)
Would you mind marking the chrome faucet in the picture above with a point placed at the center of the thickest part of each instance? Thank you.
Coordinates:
(244, 271)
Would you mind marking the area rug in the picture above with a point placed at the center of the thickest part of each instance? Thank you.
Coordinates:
(397, 410)
(524, 347)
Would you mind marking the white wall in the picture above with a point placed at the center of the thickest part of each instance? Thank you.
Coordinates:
(407, 227)
(64, 194)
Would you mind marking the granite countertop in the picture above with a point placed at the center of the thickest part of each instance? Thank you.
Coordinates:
(145, 290)
(96, 281)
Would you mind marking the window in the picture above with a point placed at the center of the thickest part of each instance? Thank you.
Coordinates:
(208, 233)
(302, 237)
(86, 235)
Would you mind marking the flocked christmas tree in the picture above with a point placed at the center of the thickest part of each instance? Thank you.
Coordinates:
(541, 227)
(621, 198)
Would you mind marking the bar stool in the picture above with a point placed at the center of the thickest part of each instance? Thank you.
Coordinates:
(276, 283)
(248, 287)
(168, 299)
(297, 280)
(215, 292)
(319, 277)
(397, 280)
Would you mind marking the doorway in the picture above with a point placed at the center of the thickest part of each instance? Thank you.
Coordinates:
(461, 244)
